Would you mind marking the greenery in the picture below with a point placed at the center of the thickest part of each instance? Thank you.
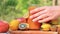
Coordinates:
(11, 9)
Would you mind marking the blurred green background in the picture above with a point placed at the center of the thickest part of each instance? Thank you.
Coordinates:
(11, 9)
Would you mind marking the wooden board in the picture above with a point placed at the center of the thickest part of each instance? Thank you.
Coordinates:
(33, 32)
(3, 33)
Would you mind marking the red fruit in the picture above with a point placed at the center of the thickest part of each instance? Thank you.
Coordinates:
(4, 26)
(21, 20)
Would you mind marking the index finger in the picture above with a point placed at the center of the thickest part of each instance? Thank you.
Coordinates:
(37, 10)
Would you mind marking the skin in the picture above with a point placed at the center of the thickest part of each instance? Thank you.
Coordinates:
(45, 14)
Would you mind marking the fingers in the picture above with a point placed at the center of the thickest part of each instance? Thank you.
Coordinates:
(38, 14)
(37, 10)
(45, 20)
(40, 17)
(41, 14)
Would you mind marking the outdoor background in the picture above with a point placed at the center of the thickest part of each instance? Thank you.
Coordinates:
(11, 9)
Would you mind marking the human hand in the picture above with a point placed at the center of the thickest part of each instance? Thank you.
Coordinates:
(44, 14)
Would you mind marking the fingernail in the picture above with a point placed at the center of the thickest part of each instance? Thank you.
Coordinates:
(33, 20)
(40, 21)
(31, 17)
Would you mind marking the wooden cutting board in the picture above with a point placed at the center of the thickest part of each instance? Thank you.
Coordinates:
(32, 32)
